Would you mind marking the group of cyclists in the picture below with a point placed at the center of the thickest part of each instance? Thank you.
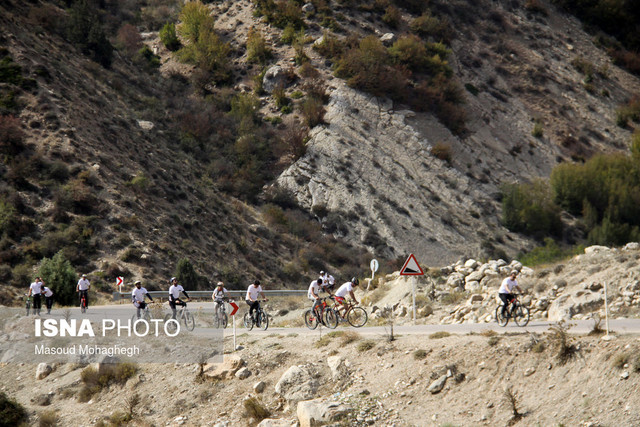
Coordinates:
(324, 283)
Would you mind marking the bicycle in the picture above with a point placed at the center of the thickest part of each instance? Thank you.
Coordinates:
(83, 302)
(518, 312)
(323, 314)
(260, 319)
(220, 318)
(356, 316)
(144, 315)
(182, 315)
(28, 303)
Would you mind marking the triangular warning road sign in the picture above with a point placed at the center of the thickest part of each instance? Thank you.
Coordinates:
(411, 267)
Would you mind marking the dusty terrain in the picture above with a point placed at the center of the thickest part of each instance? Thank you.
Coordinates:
(383, 385)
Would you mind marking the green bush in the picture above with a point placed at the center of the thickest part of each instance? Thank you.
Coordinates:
(85, 31)
(194, 18)
(94, 381)
(257, 49)
(187, 275)
(313, 111)
(392, 16)
(429, 25)
(60, 277)
(281, 13)
(11, 412)
(530, 209)
(147, 58)
(169, 37)
(537, 131)
(549, 253)
(630, 111)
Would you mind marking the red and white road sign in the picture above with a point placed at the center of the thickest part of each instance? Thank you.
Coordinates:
(119, 280)
(411, 267)
(235, 307)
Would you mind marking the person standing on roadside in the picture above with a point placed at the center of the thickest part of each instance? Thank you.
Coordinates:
(48, 298)
(35, 290)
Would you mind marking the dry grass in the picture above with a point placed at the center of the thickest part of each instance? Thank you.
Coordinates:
(621, 360)
(488, 333)
(420, 354)
(255, 409)
(560, 340)
(366, 345)
(48, 419)
(439, 334)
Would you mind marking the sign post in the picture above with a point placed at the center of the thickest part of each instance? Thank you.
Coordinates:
(374, 267)
(233, 318)
(412, 268)
(119, 282)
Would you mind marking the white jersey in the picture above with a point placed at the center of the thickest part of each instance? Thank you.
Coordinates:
(252, 292)
(36, 288)
(218, 294)
(83, 284)
(344, 290)
(47, 292)
(314, 288)
(138, 294)
(507, 286)
(174, 291)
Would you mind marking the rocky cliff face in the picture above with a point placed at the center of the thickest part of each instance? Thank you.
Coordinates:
(370, 174)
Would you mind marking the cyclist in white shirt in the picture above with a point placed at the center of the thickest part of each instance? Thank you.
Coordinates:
(328, 281)
(48, 298)
(174, 296)
(253, 291)
(314, 295)
(83, 289)
(219, 296)
(505, 294)
(35, 289)
(137, 297)
(346, 288)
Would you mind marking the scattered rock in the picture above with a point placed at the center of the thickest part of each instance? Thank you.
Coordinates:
(43, 370)
(43, 400)
(224, 370)
(529, 371)
(319, 412)
(297, 384)
(308, 8)
(243, 373)
(624, 375)
(274, 77)
(259, 386)
(274, 422)
(388, 39)
(437, 385)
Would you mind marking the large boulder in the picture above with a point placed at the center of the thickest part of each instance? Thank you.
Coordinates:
(339, 367)
(319, 412)
(437, 385)
(567, 306)
(455, 280)
(224, 370)
(274, 77)
(297, 384)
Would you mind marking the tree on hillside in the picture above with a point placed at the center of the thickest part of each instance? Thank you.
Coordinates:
(85, 31)
(60, 277)
(186, 274)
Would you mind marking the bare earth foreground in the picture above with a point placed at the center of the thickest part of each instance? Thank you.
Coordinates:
(486, 378)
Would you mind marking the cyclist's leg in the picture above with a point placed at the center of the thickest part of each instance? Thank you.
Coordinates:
(252, 307)
(505, 302)
(36, 304)
(172, 304)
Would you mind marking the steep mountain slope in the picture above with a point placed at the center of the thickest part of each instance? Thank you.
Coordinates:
(520, 69)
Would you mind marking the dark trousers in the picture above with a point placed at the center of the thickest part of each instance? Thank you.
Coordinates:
(506, 299)
(37, 302)
(173, 303)
(253, 305)
(49, 302)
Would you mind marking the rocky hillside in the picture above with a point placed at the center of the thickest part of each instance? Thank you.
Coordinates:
(466, 292)
(130, 167)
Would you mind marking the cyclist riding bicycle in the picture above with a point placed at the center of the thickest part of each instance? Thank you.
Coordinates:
(506, 288)
(341, 293)
(253, 291)
(35, 289)
(219, 296)
(174, 296)
(328, 281)
(137, 297)
(313, 295)
(83, 290)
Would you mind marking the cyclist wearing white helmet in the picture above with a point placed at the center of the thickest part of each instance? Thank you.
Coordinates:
(137, 297)
(505, 293)
(174, 296)
(219, 296)
(346, 288)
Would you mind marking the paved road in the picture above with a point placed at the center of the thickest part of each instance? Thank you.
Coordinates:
(125, 311)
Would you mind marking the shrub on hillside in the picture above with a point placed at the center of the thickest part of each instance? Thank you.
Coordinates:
(392, 16)
(530, 209)
(257, 49)
(313, 111)
(280, 13)
(428, 25)
(11, 412)
(129, 39)
(11, 136)
(169, 37)
(629, 111)
(194, 17)
(85, 31)
(95, 380)
(60, 277)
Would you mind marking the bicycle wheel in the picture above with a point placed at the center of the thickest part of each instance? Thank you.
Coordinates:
(225, 320)
(189, 320)
(247, 320)
(264, 320)
(330, 318)
(217, 320)
(171, 326)
(521, 315)
(357, 317)
(500, 318)
(310, 319)
(83, 306)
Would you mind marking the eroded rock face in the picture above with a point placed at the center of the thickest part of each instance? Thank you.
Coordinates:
(320, 412)
(375, 175)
